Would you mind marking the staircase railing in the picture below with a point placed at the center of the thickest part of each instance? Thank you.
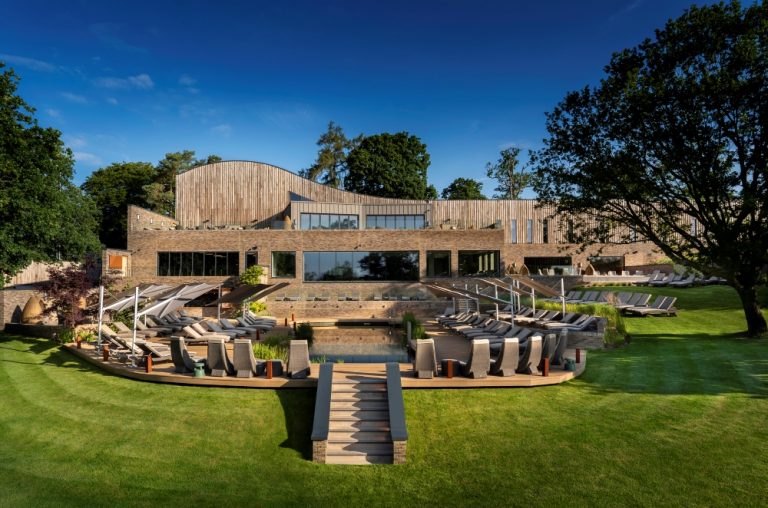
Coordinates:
(397, 427)
(321, 422)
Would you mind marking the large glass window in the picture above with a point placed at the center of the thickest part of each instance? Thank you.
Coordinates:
(478, 262)
(394, 222)
(549, 265)
(357, 265)
(198, 264)
(251, 259)
(529, 231)
(284, 264)
(438, 263)
(328, 221)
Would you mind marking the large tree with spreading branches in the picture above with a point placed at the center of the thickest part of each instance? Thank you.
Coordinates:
(672, 145)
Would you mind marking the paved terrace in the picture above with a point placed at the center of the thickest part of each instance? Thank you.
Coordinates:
(447, 344)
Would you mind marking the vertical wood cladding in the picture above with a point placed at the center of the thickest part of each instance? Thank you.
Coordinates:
(256, 194)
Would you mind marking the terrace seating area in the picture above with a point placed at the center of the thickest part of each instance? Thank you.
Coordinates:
(353, 297)
(626, 301)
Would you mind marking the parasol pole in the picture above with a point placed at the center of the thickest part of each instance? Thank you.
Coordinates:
(135, 317)
(101, 315)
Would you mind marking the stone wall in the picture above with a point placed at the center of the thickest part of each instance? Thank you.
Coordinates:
(12, 302)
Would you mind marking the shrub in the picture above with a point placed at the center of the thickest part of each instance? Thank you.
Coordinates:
(65, 336)
(611, 314)
(278, 340)
(318, 359)
(252, 275)
(304, 331)
(86, 336)
(418, 331)
(125, 317)
(265, 352)
(257, 308)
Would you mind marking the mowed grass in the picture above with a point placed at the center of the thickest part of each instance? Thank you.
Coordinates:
(678, 417)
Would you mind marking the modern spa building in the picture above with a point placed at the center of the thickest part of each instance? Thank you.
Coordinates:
(325, 241)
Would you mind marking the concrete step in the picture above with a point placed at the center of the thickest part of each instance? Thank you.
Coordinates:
(353, 396)
(361, 437)
(361, 460)
(358, 387)
(359, 425)
(359, 449)
(358, 414)
(368, 405)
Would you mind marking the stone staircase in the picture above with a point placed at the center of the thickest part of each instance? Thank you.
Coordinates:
(359, 431)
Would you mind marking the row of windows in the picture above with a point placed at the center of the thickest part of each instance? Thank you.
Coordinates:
(357, 265)
(329, 221)
(189, 264)
(395, 222)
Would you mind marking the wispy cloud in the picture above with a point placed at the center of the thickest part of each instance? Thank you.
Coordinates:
(72, 97)
(140, 82)
(634, 4)
(109, 34)
(112, 100)
(29, 63)
(223, 129)
(285, 115)
(53, 113)
(74, 141)
(87, 158)
(187, 80)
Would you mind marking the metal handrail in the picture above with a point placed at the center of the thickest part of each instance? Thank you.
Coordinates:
(321, 422)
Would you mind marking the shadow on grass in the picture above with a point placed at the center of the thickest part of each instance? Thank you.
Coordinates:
(298, 409)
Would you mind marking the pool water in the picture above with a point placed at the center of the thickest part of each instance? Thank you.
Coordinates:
(360, 353)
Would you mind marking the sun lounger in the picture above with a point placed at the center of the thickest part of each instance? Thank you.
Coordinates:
(479, 362)
(425, 362)
(182, 359)
(243, 360)
(215, 328)
(264, 327)
(548, 346)
(684, 283)
(506, 363)
(218, 360)
(298, 359)
(121, 327)
(227, 325)
(558, 357)
(530, 357)
(194, 336)
(663, 307)
(158, 352)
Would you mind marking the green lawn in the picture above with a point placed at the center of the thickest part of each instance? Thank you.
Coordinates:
(678, 417)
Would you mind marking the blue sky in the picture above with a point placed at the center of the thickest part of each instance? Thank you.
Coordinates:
(130, 81)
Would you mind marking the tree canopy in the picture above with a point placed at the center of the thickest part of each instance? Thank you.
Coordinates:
(161, 193)
(511, 181)
(113, 188)
(330, 166)
(43, 215)
(390, 165)
(672, 144)
(120, 184)
(463, 188)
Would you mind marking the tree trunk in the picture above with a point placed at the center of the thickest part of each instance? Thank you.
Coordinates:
(756, 324)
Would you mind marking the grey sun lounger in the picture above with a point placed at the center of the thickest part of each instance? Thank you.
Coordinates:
(298, 359)
(664, 308)
(509, 356)
(226, 325)
(425, 362)
(183, 361)
(194, 336)
(218, 360)
(548, 346)
(159, 329)
(530, 357)
(479, 362)
(158, 354)
(244, 361)
(558, 357)
(215, 328)
(121, 327)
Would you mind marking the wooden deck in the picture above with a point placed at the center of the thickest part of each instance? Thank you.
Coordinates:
(447, 346)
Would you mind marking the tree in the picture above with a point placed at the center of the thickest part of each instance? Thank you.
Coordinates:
(43, 215)
(113, 188)
(161, 194)
(511, 181)
(330, 166)
(672, 145)
(66, 289)
(389, 165)
(464, 188)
